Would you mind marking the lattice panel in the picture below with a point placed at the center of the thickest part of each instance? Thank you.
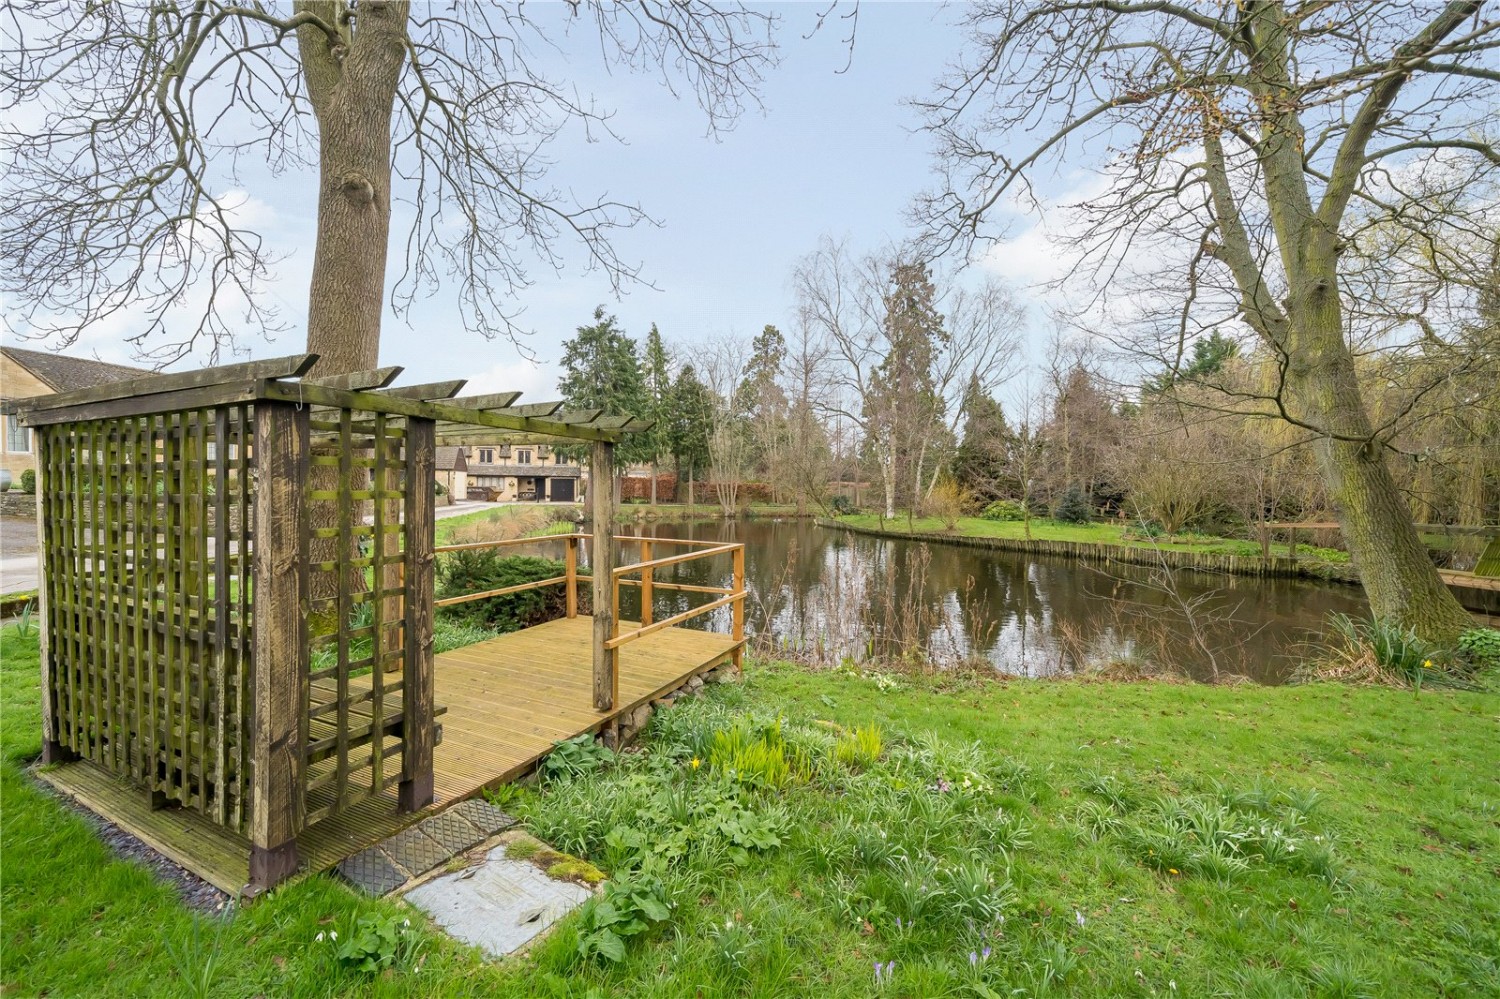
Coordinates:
(147, 536)
(356, 504)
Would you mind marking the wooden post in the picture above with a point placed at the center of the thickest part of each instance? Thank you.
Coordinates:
(53, 751)
(417, 681)
(1291, 545)
(601, 503)
(645, 582)
(1265, 542)
(738, 608)
(572, 574)
(277, 704)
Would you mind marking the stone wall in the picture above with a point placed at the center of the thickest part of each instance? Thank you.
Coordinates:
(18, 504)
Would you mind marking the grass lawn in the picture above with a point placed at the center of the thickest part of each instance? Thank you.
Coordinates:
(1091, 533)
(1074, 838)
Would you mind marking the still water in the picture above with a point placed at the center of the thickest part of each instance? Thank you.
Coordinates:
(833, 594)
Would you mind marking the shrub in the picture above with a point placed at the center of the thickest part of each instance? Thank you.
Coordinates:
(465, 572)
(439, 489)
(841, 505)
(1005, 510)
(28, 481)
(947, 501)
(1073, 508)
(1481, 646)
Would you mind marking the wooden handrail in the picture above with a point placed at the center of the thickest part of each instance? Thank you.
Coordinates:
(657, 563)
(667, 622)
(506, 543)
(502, 591)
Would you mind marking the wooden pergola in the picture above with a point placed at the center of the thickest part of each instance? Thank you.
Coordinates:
(205, 637)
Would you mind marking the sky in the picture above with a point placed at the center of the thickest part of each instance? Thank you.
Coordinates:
(834, 151)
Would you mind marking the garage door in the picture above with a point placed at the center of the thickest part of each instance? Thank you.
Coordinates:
(562, 490)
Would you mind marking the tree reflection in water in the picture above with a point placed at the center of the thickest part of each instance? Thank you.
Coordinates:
(827, 595)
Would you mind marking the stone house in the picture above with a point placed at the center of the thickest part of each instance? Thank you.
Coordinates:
(28, 373)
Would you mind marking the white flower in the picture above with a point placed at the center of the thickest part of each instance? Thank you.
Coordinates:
(333, 934)
(319, 937)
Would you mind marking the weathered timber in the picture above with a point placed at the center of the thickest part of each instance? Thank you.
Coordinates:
(277, 717)
(291, 366)
(374, 378)
(417, 679)
(428, 391)
(375, 402)
(495, 400)
(606, 660)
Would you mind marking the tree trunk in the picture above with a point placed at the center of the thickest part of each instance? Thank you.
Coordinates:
(1400, 580)
(653, 483)
(352, 89)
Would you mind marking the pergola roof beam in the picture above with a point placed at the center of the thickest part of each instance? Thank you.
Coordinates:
(429, 391)
(374, 378)
(291, 366)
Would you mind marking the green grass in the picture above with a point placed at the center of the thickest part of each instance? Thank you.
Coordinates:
(1097, 533)
(1043, 820)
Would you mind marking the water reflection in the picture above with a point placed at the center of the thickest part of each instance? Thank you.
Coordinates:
(833, 594)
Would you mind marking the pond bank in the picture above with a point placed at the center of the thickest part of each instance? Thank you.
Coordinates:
(1276, 567)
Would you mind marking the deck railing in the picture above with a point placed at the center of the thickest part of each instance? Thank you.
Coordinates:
(732, 596)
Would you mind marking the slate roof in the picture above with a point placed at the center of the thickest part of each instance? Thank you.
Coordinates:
(67, 374)
(451, 459)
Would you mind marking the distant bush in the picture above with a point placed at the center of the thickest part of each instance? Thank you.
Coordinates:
(440, 489)
(1004, 510)
(28, 481)
(465, 572)
(1073, 508)
(841, 505)
(947, 502)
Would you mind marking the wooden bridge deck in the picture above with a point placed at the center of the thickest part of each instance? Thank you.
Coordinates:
(508, 700)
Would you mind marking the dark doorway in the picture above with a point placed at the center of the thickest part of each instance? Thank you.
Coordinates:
(562, 490)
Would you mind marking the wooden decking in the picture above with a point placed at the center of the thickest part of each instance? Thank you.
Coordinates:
(508, 701)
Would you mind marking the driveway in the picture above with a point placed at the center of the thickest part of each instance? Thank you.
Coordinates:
(18, 568)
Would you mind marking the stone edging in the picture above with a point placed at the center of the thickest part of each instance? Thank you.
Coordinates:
(1087, 551)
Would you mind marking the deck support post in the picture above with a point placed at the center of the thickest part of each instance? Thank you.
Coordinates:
(738, 609)
(602, 506)
(418, 683)
(279, 667)
(646, 581)
(571, 571)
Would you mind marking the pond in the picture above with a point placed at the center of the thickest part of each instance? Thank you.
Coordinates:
(826, 594)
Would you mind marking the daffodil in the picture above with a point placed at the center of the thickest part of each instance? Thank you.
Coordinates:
(696, 763)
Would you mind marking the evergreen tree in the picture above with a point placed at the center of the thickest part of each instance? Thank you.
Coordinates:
(658, 377)
(903, 408)
(601, 370)
(687, 427)
(981, 464)
(763, 404)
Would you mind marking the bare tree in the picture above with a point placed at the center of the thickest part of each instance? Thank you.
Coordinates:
(729, 441)
(846, 301)
(127, 124)
(1261, 146)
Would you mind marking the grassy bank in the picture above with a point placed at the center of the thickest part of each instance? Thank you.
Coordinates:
(1091, 533)
(1039, 838)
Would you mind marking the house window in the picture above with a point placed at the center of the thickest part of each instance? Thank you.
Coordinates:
(486, 456)
(17, 437)
(523, 456)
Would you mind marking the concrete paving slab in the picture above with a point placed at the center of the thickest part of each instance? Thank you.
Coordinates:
(498, 905)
